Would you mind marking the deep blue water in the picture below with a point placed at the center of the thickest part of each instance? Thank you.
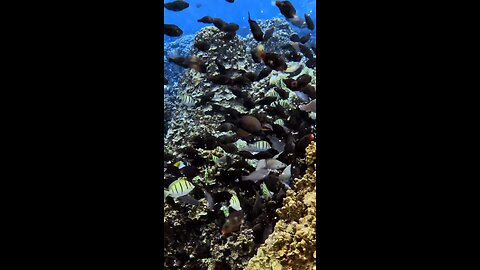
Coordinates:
(231, 12)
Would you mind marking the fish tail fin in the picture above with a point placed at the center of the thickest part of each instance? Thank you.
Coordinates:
(165, 194)
(249, 16)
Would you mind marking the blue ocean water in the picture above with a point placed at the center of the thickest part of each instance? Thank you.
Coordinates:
(236, 12)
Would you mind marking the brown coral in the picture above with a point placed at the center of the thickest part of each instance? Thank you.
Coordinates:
(292, 244)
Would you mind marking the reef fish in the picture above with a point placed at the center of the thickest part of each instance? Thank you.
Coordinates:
(270, 164)
(256, 30)
(233, 223)
(310, 107)
(177, 5)
(256, 175)
(286, 8)
(309, 22)
(179, 188)
(172, 30)
(187, 100)
(258, 146)
(235, 203)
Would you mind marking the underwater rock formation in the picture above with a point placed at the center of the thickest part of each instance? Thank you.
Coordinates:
(193, 237)
(291, 246)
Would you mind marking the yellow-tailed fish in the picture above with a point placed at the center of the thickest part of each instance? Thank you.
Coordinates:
(235, 203)
(178, 188)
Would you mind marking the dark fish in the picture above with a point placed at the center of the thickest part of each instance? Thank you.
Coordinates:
(272, 60)
(279, 131)
(305, 50)
(286, 8)
(241, 133)
(256, 30)
(240, 80)
(266, 100)
(206, 98)
(263, 155)
(227, 127)
(238, 92)
(241, 164)
(188, 199)
(257, 205)
(225, 139)
(303, 80)
(235, 220)
(219, 23)
(245, 154)
(220, 79)
(221, 68)
(295, 38)
(230, 27)
(202, 45)
(282, 93)
(176, 5)
(229, 36)
(206, 19)
(248, 103)
(190, 171)
(268, 34)
(295, 57)
(251, 76)
(310, 91)
(255, 57)
(230, 1)
(250, 124)
(172, 30)
(181, 61)
(165, 81)
(305, 38)
(302, 144)
(291, 84)
(314, 47)
(229, 148)
(264, 73)
(311, 63)
(309, 22)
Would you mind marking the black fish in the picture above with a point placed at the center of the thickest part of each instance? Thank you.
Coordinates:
(219, 23)
(181, 61)
(227, 127)
(245, 154)
(282, 93)
(220, 79)
(263, 155)
(229, 36)
(310, 91)
(230, 27)
(240, 80)
(266, 100)
(248, 103)
(302, 144)
(303, 80)
(286, 8)
(190, 171)
(206, 98)
(221, 67)
(314, 48)
(295, 38)
(305, 38)
(268, 34)
(295, 57)
(274, 61)
(229, 148)
(255, 57)
(172, 30)
(225, 139)
(309, 22)
(165, 81)
(264, 73)
(291, 84)
(251, 76)
(206, 19)
(230, 1)
(176, 5)
(305, 50)
(238, 92)
(256, 30)
(311, 63)
(202, 45)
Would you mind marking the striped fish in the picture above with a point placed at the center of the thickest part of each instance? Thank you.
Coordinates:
(235, 203)
(279, 122)
(259, 146)
(179, 187)
(272, 93)
(187, 100)
(282, 102)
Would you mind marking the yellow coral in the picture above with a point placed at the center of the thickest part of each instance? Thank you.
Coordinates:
(292, 244)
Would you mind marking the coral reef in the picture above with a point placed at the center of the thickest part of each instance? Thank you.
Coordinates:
(292, 244)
